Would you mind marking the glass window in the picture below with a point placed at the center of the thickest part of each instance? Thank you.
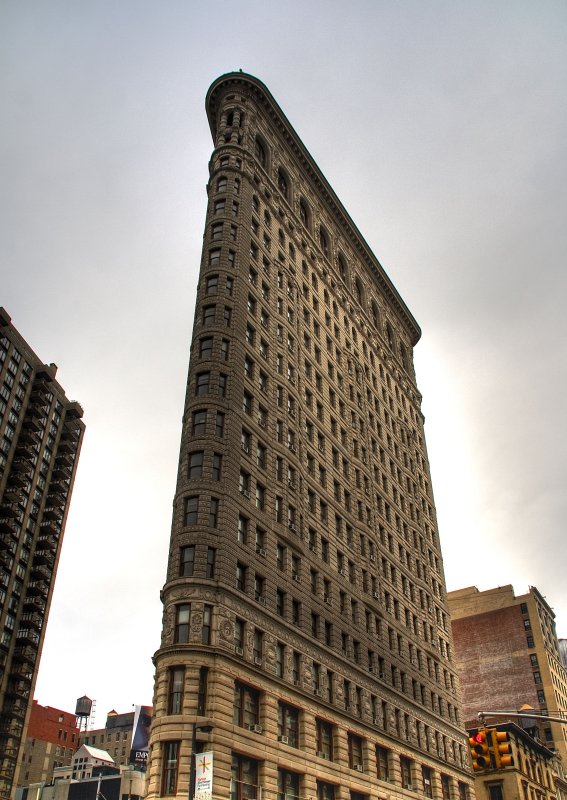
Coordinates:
(195, 465)
(175, 692)
(288, 724)
(325, 791)
(206, 347)
(202, 383)
(211, 558)
(382, 763)
(199, 421)
(214, 512)
(182, 620)
(187, 561)
(324, 735)
(169, 767)
(244, 778)
(246, 705)
(191, 510)
(288, 785)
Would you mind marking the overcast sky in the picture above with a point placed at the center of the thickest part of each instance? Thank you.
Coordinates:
(442, 128)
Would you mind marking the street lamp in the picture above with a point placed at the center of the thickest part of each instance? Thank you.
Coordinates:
(193, 756)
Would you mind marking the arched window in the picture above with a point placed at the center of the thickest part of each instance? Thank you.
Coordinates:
(260, 151)
(390, 337)
(324, 240)
(404, 355)
(358, 290)
(342, 265)
(283, 182)
(304, 215)
(230, 119)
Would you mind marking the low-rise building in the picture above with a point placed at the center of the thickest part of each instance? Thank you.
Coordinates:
(117, 736)
(525, 769)
(51, 740)
(507, 656)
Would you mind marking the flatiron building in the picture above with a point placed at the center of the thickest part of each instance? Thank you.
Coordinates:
(306, 640)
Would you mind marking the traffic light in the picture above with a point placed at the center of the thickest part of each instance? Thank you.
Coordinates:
(502, 749)
(480, 752)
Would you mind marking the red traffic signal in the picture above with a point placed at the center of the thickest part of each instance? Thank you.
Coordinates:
(480, 753)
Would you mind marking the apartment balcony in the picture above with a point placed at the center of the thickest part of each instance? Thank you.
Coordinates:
(22, 466)
(28, 437)
(11, 510)
(16, 481)
(42, 556)
(40, 572)
(8, 528)
(38, 588)
(22, 673)
(50, 528)
(59, 487)
(46, 542)
(7, 534)
(33, 618)
(55, 499)
(8, 747)
(10, 727)
(7, 769)
(54, 513)
(18, 688)
(63, 460)
(17, 707)
(33, 421)
(61, 473)
(25, 654)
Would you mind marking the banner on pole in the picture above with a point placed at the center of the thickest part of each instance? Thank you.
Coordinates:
(204, 776)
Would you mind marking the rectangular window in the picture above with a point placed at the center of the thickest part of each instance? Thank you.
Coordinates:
(246, 705)
(244, 779)
(175, 691)
(202, 383)
(382, 763)
(169, 773)
(206, 629)
(241, 577)
(216, 468)
(191, 510)
(195, 466)
(202, 690)
(210, 566)
(324, 736)
(288, 785)
(198, 422)
(405, 768)
(187, 561)
(219, 424)
(325, 791)
(355, 752)
(288, 724)
(182, 620)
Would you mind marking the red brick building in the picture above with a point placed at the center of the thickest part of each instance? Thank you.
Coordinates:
(52, 739)
(507, 656)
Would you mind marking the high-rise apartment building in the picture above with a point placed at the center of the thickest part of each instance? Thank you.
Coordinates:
(40, 438)
(507, 654)
(305, 616)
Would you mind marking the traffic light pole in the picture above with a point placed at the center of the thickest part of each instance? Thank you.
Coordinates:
(526, 712)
